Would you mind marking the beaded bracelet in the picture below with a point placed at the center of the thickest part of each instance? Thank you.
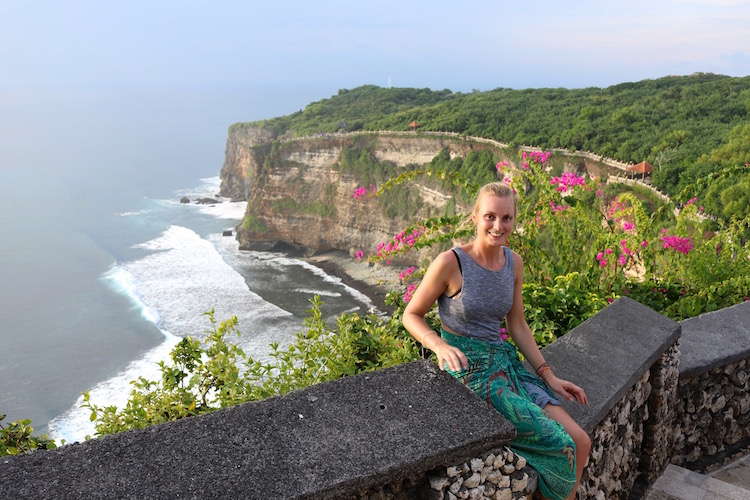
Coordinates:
(542, 367)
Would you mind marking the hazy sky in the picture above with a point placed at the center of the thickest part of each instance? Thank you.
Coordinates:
(343, 44)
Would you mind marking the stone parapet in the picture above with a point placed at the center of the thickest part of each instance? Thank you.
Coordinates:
(374, 432)
(413, 431)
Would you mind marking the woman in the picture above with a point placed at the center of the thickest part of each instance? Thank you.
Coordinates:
(477, 285)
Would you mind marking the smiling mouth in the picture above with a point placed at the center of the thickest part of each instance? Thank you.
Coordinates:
(495, 235)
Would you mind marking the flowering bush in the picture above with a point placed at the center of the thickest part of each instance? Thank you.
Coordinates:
(582, 249)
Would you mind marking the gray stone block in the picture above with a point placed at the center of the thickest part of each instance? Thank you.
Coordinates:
(319, 442)
(715, 339)
(608, 353)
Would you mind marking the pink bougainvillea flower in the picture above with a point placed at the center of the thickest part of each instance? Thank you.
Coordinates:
(676, 243)
(406, 273)
(409, 292)
(360, 254)
(567, 180)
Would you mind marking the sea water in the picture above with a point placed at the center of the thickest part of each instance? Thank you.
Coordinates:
(103, 269)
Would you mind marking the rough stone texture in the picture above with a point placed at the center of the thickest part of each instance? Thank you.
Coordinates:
(616, 445)
(414, 432)
(613, 356)
(633, 442)
(712, 413)
(658, 433)
(325, 441)
(715, 339)
(499, 473)
(244, 153)
(712, 410)
(299, 195)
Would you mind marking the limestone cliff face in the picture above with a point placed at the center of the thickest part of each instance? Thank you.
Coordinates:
(299, 195)
(242, 159)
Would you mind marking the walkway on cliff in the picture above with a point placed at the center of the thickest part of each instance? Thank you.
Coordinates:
(610, 162)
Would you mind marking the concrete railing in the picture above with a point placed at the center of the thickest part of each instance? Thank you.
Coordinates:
(659, 392)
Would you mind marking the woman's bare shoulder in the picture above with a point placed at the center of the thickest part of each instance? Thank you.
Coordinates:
(516, 258)
(446, 260)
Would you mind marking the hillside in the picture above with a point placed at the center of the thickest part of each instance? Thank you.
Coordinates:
(686, 126)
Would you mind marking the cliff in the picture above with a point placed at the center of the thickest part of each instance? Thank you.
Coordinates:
(300, 193)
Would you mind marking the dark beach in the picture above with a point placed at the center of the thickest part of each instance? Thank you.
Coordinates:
(373, 280)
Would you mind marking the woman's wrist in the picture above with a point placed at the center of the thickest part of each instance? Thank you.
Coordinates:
(424, 335)
(544, 371)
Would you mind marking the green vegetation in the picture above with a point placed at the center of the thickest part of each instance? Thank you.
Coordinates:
(253, 223)
(686, 126)
(16, 438)
(205, 376)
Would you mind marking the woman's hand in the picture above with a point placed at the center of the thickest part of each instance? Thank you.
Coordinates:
(566, 389)
(450, 357)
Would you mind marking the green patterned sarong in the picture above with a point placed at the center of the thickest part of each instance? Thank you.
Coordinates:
(496, 374)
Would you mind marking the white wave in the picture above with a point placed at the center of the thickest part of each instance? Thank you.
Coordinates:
(359, 296)
(75, 424)
(122, 282)
(281, 262)
(225, 209)
(186, 277)
(173, 287)
(222, 209)
(322, 293)
(209, 188)
(132, 213)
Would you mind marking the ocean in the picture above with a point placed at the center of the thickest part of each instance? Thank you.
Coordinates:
(103, 270)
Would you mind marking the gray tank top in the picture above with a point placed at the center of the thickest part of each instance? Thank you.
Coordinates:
(485, 298)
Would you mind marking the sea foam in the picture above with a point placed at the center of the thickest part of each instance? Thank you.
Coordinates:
(181, 279)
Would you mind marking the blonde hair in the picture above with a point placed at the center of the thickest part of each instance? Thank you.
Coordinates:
(499, 189)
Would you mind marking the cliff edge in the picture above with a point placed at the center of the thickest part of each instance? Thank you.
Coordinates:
(300, 192)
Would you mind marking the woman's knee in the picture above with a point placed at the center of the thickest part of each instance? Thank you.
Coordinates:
(581, 439)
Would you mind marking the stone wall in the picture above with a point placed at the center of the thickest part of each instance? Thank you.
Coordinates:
(659, 392)
(713, 413)
(712, 409)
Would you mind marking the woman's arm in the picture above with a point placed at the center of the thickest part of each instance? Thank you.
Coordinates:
(435, 282)
(523, 337)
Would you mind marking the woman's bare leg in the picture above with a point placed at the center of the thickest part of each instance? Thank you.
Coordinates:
(580, 438)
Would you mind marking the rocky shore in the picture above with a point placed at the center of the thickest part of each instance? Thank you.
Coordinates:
(373, 280)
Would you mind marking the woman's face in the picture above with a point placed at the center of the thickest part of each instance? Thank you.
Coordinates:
(494, 217)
